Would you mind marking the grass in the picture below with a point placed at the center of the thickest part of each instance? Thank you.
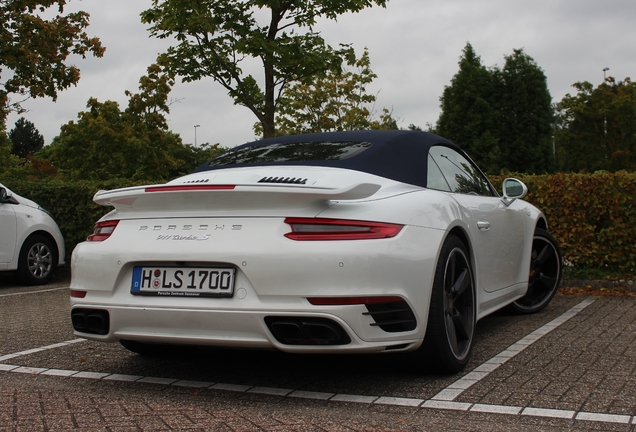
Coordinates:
(595, 274)
(577, 273)
(597, 292)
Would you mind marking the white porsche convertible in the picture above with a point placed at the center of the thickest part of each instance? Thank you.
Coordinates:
(363, 241)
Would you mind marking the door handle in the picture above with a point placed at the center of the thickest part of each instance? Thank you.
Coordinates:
(483, 225)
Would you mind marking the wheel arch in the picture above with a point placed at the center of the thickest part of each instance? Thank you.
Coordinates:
(542, 224)
(461, 233)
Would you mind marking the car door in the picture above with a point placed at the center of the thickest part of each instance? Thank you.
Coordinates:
(497, 230)
(8, 227)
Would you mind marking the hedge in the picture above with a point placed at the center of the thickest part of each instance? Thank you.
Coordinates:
(593, 216)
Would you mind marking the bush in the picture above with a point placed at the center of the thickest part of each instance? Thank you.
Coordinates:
(593, 216)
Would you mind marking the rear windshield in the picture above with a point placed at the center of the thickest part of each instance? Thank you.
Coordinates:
(300, 151)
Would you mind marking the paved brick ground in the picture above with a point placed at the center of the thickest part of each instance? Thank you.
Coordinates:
(587, 365)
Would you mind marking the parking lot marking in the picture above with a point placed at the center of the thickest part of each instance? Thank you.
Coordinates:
(398, 401)
(59, 372)
(7, 367)
(271, 391)
(231, 387)
(44, 348)
(33, 292)
(192, 384)
(455, 389)
(91, 375)
(496, 409)
(157, 380)
(311, 395)
(443, 400)
(121, 377)
(605, 418)
(354, 398)
(447, 405)
(29, 370)
(547, 412)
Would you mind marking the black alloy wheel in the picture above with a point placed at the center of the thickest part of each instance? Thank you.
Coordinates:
(545, 274)
(452, 315)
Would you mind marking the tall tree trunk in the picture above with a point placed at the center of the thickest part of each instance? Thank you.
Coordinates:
(268, 121)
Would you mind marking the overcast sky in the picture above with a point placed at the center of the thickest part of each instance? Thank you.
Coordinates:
(414, 47)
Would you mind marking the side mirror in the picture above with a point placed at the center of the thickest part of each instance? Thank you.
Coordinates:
(5, 198)
(513, 189)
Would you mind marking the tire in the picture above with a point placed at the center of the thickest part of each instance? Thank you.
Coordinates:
(37, 260)
(545, 274)
(157, 350)
(452, 315)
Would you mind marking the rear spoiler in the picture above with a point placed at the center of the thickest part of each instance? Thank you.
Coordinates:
(218, 197)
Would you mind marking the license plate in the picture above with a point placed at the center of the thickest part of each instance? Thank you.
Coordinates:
(183, 281)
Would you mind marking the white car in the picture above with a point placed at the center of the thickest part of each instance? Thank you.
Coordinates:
(369, 242)
(30, 241)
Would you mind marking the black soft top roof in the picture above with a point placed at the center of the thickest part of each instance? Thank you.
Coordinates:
(395, 154)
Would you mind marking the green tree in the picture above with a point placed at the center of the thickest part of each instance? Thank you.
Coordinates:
(135, 144)
(502, 117)
(596, 128)
(26, 138)
(34, 50)
(216, 37)
(470, 114)
(7, 159)
(194, 156)
(101, 145)
(338, 101)
(527, 117)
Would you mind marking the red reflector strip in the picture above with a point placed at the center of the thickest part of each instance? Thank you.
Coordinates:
(188, 188)
(102, 230)
(78, 294)
(340, 301)
(308, 229)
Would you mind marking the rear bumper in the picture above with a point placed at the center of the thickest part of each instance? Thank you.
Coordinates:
(274, 278)
(245, 329)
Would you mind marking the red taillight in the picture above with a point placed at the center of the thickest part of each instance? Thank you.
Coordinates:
(78, 294)
(340, 301)
(188, 188)
(103, 230)
(339, 229)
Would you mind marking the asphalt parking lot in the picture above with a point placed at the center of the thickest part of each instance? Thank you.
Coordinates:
(570, 367)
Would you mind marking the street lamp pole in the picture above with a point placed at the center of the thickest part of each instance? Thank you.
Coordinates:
(605, 69)
(195, 134)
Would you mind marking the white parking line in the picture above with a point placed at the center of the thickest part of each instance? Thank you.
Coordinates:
(33, 292)
(311, 395)
(452, 391)
(44, 348)
(443, 400)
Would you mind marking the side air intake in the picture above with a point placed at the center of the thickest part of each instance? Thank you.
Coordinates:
(392, 317)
